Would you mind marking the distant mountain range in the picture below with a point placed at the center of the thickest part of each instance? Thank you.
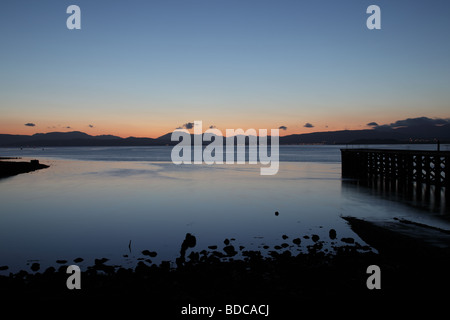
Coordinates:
(410, 134)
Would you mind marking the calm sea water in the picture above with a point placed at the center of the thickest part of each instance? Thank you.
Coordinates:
(92, 201)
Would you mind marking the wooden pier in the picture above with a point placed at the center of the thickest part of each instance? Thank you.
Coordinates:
(419, 173)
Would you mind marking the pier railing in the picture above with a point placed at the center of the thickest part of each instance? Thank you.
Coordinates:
(431, 168)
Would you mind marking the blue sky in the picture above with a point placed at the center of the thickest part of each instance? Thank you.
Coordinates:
(144, 68)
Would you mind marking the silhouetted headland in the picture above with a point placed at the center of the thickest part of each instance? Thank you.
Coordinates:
(12, 168)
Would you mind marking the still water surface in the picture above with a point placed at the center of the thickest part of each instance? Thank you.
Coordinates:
(92, 201)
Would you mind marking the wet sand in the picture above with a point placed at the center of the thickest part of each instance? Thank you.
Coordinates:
(411, 268)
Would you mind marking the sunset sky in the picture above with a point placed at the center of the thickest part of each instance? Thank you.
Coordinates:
(144, 68)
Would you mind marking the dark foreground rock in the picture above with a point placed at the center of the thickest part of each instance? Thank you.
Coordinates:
(410, 269)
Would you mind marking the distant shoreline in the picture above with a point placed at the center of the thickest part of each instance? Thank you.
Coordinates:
(411, 135)
(120, 143)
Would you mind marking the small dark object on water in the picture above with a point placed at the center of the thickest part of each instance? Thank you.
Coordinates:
(2, 268)
(61, 261)
(229, 250)
(35, 267)
(226, 241)
(212, 247)
(315, 237)
(100, 261)
(284, 237)
(297, 241)
(77, 260)
(149, 253)
(332, 234)
(276, 213)
(189, 242)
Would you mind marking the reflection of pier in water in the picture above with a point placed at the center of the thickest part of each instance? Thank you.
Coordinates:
(421, 177)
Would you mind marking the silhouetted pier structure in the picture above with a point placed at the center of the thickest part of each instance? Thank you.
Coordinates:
(421, 174)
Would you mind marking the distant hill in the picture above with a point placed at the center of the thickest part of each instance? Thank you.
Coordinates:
(420, 133)
(69, 139)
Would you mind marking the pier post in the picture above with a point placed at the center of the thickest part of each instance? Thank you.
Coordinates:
(446, 182)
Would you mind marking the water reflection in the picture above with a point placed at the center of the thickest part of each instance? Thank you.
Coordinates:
(427, 198)
(94, 209)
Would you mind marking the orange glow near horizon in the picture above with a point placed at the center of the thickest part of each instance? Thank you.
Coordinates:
(157, 128)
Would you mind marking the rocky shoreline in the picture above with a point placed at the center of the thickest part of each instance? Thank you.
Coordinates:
(410, 269)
